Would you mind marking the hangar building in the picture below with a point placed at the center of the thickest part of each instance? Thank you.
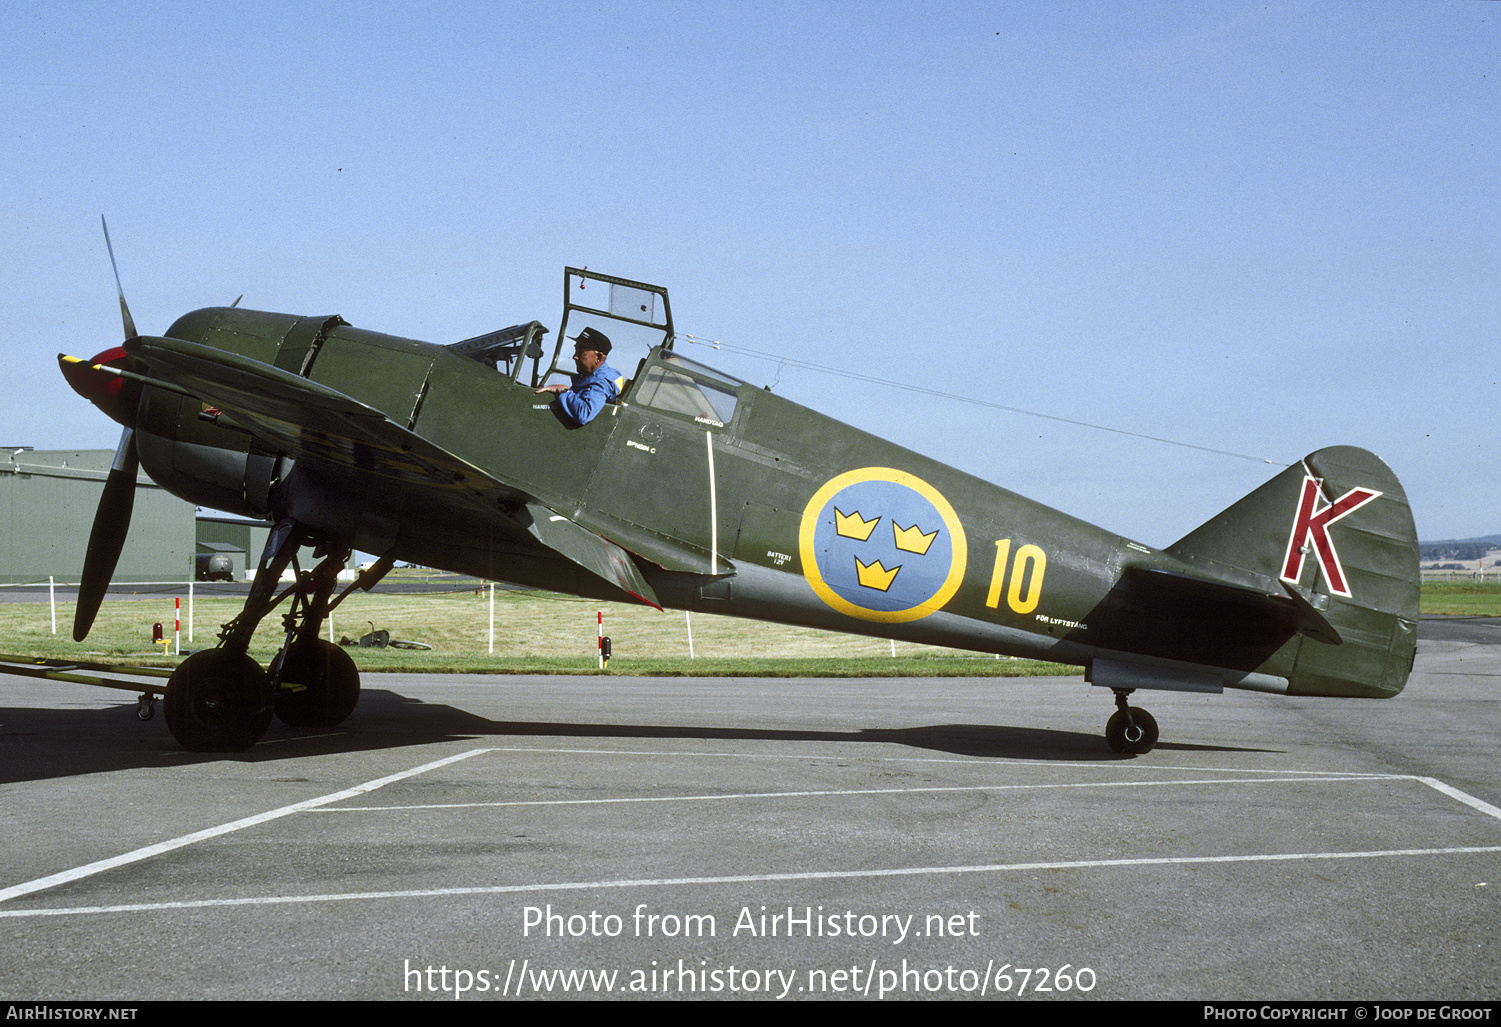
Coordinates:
(47, 503)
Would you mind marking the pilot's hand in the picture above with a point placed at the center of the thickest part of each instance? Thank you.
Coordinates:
(554, 388)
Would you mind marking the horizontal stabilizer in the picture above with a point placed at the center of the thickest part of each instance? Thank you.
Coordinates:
(1288, 606)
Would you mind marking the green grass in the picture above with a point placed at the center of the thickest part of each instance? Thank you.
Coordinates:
(1471, 598)
(535, 633)
(546, 633)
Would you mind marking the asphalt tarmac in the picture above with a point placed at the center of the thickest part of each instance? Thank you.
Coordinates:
(482, 838)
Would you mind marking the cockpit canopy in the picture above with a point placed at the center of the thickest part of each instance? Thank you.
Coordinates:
(630, 312)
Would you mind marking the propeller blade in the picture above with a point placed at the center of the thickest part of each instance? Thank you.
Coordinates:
(130, 325)
(111, 524)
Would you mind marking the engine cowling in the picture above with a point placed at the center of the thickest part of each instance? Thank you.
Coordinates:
(181, 443)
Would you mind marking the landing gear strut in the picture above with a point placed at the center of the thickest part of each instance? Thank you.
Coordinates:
(220, 700)
(316, 683)
(1130, 729)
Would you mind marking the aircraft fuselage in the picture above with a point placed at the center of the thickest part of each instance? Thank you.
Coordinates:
(731, 499)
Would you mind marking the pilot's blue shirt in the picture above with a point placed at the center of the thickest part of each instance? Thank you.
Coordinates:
(590, 392)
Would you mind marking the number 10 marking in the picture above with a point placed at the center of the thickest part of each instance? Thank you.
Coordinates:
(1028, 558)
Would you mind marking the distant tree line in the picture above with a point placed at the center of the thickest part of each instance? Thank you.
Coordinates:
(1470, 549)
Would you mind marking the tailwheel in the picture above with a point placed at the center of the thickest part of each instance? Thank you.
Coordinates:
(1131, 730)
(218, 701)
(320, 685)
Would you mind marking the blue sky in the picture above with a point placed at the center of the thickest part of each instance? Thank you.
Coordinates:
(1260, 228)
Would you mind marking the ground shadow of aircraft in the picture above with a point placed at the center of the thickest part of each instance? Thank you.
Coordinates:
(694, 490)
(44, 744)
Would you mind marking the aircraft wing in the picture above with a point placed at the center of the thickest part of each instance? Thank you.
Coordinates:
(309, 420)
(306, 419)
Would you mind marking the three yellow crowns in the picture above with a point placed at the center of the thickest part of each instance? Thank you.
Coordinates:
(873, 575)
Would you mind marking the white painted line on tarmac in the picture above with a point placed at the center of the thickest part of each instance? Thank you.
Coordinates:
(811, 875)
(213, 832)
(1464, 797)
(984, 761)
(317, 804)
(849, 792)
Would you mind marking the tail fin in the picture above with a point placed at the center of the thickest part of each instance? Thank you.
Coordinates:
(1336, 532)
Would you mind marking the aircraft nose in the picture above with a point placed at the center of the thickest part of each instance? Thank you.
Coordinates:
(118, 397)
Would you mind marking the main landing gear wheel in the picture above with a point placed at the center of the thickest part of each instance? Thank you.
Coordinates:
(320, 685)
(218, 701)
(1134, 736)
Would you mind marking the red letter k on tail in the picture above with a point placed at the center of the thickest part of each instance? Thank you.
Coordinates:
(1311, 534)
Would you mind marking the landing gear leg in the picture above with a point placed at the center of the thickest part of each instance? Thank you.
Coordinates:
(316, 682)
(1130, 729)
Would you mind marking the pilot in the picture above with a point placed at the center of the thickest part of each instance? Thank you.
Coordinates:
(596, 384)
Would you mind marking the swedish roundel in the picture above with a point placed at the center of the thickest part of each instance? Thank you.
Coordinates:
(882, 545)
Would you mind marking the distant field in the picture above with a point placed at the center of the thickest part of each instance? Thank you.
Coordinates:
(546, 633)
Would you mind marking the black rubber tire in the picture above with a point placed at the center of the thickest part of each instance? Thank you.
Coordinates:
(331, 686)
(218, 701)
(1145, 735)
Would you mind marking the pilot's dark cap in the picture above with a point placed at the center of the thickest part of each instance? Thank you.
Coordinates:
(591, 339)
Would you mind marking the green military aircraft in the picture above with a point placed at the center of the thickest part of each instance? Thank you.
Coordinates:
(697, 491)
